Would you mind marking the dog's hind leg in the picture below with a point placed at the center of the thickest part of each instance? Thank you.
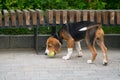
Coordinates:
(100, 42)
(78, 48)
(94, 54)
(92, 49)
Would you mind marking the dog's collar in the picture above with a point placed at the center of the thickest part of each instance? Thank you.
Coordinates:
(57, 36)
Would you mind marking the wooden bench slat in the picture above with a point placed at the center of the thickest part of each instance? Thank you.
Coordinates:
(27, 17)
(6, 17)
(118, 17)
(20, 17)
(57, 16)
(92, 16)
(64, 16)
(33, 17)
(40, 16)
(85, 15)
(49, 16)
(112, 17)
(78, 15)
(0, 18)
(105, 17)
(71, 16)
(13, 17)
(98, 17)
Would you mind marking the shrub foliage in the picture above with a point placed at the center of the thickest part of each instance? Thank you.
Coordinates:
(59, 4)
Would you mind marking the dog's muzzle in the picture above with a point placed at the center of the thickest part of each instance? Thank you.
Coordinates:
(47, 52)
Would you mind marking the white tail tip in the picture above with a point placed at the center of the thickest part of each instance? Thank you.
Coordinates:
(83, 29)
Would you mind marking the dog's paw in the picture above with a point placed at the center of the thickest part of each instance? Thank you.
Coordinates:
(105, 62)
(89, 61)
(80, 54)
(66, 57)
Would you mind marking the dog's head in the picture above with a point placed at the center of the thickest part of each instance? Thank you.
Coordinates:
(52, 45)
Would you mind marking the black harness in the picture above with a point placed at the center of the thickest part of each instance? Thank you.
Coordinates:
(57, 36)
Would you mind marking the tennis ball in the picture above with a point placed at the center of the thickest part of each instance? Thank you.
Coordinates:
(51, 54)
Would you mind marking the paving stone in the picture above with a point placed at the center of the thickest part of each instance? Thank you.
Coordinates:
(24, 64)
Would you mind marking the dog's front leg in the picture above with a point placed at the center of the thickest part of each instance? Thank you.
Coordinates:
(78, 48)
(70, 43)
(70, 51)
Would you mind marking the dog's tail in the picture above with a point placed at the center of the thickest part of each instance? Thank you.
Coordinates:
(90, 27)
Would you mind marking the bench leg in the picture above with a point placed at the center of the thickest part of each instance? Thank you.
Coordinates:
(36, 39)
(53, 29)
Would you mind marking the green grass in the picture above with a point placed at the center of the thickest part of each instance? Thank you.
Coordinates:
(20, 31)
(111, 29)
(47, 30)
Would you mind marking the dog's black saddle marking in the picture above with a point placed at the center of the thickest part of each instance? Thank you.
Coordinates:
(73, 29)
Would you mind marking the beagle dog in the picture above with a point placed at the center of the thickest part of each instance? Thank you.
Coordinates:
(72, 33)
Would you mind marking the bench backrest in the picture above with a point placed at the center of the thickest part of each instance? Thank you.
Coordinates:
(33, 18)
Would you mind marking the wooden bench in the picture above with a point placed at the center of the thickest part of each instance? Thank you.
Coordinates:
(38, 18)
(22, 19)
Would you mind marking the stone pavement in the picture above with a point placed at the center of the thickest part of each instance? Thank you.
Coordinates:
(24, 64)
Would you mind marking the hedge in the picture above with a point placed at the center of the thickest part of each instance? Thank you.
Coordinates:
(47, 30)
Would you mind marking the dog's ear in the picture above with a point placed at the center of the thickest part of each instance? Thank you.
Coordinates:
(57, 46)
